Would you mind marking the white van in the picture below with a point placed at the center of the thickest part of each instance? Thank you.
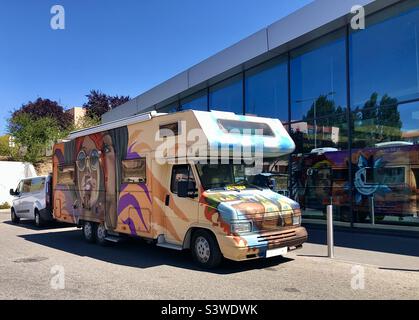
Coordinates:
(32, 200)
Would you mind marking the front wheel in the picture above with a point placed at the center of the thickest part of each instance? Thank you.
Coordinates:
(39, 222)
(13, 216)
(205, 249)
(89, 231)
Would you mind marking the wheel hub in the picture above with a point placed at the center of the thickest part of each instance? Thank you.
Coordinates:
(101, 232)
(88, 230)
(202, 249)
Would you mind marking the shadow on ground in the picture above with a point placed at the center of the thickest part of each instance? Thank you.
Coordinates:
(366, 241)
(30, 224)
(139, 254)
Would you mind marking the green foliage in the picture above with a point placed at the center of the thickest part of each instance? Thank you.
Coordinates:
(86, 122)
(378, 121)
(45, 108)
(5, 205)
(34, 135)
(6, 150)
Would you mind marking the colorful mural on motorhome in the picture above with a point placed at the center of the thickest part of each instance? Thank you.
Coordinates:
(113, 177)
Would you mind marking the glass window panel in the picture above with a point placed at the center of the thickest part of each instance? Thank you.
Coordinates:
(320, 167)
(386, 125)
(228, 95)
(384, 58)
(385, 159)
(266, 88)
(320, 133)
(318, 78)
(181, 173)
(173, 107)
(66, 175)
(37, 184)
(26, 186)
(134, 171)
(197, 101)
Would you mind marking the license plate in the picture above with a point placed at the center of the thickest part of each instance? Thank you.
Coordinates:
(276, 252)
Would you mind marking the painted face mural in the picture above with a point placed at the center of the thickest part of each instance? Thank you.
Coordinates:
(91, 173)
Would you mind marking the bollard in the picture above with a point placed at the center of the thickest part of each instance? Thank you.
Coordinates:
(372, 210)
(330, 231)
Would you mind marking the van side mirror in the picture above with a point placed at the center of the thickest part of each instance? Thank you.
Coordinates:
(186, 189)
(13, 192)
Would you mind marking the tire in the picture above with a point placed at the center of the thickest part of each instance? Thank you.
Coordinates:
(89, 231)
(362, 216)
(101, 235)
(345, 214)
(205, 249)
(14, 217)
(39, 222)
(379, 218)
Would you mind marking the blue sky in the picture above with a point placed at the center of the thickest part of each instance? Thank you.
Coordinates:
(119, 47)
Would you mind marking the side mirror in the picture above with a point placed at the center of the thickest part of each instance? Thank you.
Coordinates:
(12, 192)
(186, 189)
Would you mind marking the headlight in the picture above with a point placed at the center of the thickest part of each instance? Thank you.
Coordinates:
(296, 220)
(241, 227)
(296, 217)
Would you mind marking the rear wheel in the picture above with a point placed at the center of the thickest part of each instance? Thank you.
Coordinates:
(345, 214)
(89, 231)
(205, 249)
(101, 235)
(13, 216)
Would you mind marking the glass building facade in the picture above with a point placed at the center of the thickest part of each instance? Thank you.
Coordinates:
(350, 100)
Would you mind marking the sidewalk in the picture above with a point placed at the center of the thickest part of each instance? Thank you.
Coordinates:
(383, 251)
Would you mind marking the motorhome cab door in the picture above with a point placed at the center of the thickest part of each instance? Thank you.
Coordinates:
(180, 209)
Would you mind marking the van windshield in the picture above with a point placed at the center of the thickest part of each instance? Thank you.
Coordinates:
(225, 176)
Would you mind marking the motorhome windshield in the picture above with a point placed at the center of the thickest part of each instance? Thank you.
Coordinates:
(226, 176)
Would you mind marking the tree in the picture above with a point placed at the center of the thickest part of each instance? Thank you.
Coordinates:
(321, 107)
(34, 135)
(99, 103)
(6, 150)
(42, 108)
(377, 121)
(86, 122)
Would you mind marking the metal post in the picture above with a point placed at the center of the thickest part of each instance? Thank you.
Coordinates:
(372, 210)
(330, 244)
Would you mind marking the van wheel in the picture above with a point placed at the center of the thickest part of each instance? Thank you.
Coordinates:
(13, 216)
(39, 222)
(89, 231)
(205, 249)
(101, 235)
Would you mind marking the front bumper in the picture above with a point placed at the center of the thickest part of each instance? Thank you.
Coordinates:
(256, 245)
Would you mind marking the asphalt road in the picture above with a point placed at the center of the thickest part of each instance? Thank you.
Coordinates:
(136, 270)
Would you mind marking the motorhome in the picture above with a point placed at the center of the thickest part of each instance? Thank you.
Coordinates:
(181, 181)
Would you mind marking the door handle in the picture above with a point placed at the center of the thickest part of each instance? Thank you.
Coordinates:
(167, 200)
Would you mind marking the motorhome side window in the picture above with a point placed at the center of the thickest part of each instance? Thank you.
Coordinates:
(169, 130)
(180, 173)
(245, 128)
(66, 175)
(134, 171)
